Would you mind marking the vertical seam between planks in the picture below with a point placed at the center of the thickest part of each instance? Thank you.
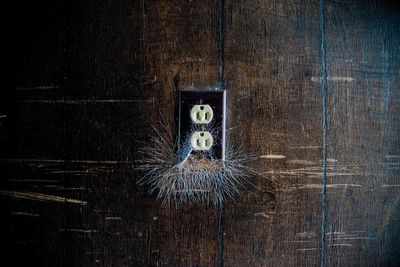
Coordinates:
(221, 62)
(324, 129)
(221, 43)
(220, 235)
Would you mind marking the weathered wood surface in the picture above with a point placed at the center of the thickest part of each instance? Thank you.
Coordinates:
(277, 107)
(89, 81)
(86, 82)
(363, 65)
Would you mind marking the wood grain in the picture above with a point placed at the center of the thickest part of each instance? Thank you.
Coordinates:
(86, 81)
(272, 54)
(362, 135)
(80, 102)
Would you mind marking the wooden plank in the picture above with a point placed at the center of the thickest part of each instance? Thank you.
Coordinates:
(74, 120)
(362, 41)
(272, 56)
(181, 50)
(87, 80)
(35, 54)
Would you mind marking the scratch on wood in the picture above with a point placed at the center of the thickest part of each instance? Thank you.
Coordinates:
(334, 79)
(354, 235)
(78, 230)
(319, 186)
(336, 233)
(389, 163)
(57, 187)
(355, 238)
(307, 249)
(298, 241)
(305, 147)
(317, 174)
(280, 134)
(330, 160)
(153, 80)
(261, 214)
(72, 188)
(392, 156)
(271, 156)
(341, 245)
(112, 218)
(40, 197)
(301, 162)
(21, 213)
(92, 252)
(306, 234)
(62, 188)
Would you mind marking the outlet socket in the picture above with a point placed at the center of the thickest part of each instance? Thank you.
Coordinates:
(201, 114)
(201, 140)
(202, 110)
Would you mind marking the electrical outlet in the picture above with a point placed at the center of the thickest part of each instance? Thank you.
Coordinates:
(202, 140)
(201, 114)
(202, 111)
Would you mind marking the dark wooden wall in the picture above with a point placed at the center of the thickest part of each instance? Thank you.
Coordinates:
(314, 91)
